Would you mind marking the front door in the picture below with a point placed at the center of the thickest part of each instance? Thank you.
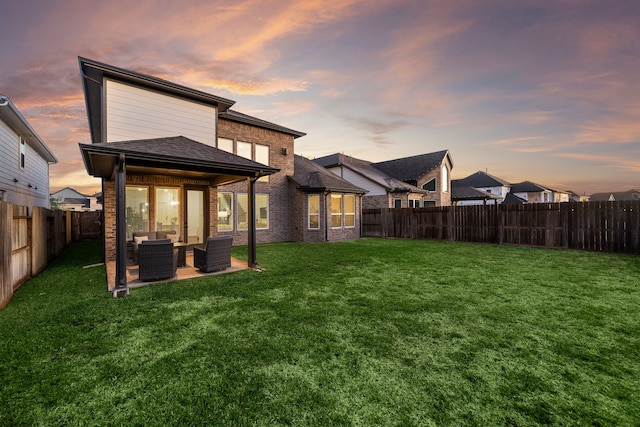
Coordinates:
(196, 215)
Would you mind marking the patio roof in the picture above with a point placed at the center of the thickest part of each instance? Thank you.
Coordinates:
(174, 156)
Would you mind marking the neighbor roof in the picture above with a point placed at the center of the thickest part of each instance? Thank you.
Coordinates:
(169, 154)
(512, 199)
(414, 167)
(16, 121)
(369, 171)
(616, 195)
(527, 187)
(310, 176)
(471, 193)
(480, 179)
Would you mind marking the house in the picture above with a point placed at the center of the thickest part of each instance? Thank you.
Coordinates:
(496, 189)
(536, 193)
(616, 196)
(575, 197)
(173, 158)
(69, 199)
(327, 207)
(430, 172)
(24, 160)
(416, 181)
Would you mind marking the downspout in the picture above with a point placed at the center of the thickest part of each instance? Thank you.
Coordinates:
(326, 219)
(251, 238)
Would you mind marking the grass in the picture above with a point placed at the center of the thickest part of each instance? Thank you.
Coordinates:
(367, 332)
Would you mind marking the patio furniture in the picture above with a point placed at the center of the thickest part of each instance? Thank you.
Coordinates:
(215, 255)
(157, 260)
(141, 236)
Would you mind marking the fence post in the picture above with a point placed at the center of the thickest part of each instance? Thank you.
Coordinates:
(6, 280)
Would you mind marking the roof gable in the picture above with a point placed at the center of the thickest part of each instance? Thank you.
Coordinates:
(413, 168)
(10, 115)
(480, 179)
(311, 176)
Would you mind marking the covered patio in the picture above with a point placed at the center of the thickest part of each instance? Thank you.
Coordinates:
(180, 161)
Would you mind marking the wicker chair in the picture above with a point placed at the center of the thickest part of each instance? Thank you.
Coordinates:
(157, 260)
(215, 255)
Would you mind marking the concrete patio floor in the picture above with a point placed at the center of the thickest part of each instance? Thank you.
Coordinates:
(187, 272)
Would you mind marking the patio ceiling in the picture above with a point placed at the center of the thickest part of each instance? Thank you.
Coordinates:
(178, 156)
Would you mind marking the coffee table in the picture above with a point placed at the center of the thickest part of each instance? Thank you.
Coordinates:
(182, 253)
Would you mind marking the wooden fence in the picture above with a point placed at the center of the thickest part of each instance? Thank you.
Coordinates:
(593, 226)
(30, 237)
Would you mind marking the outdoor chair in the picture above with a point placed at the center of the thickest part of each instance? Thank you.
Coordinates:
(157, 260)
(215, 255)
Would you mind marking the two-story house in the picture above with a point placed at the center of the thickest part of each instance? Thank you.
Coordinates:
(416, 181)
(489, 189)
(24, 160)
(173, 158)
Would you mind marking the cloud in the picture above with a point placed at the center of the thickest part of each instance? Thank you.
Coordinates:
(610, 161)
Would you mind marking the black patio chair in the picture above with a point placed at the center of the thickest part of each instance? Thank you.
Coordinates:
(215, 255)
(157, 260)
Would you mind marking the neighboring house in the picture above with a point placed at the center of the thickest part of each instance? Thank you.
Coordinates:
(175, 158)
(616, 196)
(536, 193)
(24, 160)
(416, 181)
(465, 196)
(575, 197)
(482, 181)
(69, 199)
(512, 199)
(327, 207)
(430, 172)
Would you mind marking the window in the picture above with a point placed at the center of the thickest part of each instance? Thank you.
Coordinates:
(244, 150)
(430, 186)
(262, 156)
(167, 208)
(1, 195)
(314, 212)
(225, 211)
(262, 211)
(225, 144)
(137, 209)
(445, 179)
(23, 150)
(349, 210)
(429, 203)
(397, 203)
(336, 211)
(414, 203)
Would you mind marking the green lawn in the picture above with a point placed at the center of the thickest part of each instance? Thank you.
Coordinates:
(367, 332)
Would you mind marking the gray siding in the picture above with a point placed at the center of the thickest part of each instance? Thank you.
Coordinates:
(36, 172)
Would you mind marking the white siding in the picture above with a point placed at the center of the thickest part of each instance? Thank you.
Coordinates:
(134, 113)
(35, 172)
(359, 181)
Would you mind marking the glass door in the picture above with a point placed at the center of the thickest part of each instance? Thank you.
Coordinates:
(196, 215)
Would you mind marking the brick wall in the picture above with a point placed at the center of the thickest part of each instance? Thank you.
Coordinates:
(280, 225)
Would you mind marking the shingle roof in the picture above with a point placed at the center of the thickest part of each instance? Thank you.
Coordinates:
(616, 195)
(470, 193)
(244, 118)
(527, 187)
(176, 152)
(512, 199)
(479, 179)
(311, 176)
(414, 167)
(369, 171)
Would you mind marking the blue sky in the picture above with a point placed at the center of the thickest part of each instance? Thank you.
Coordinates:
(527, 90)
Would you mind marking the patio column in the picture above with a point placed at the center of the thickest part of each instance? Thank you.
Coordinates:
(121, 230)
(251, 238)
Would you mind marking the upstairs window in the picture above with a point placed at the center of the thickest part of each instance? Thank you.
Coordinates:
(445, 179)
(23, 150)
(430, 186)
(225, 144)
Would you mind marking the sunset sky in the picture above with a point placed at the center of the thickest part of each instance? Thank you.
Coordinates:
(547, 91)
